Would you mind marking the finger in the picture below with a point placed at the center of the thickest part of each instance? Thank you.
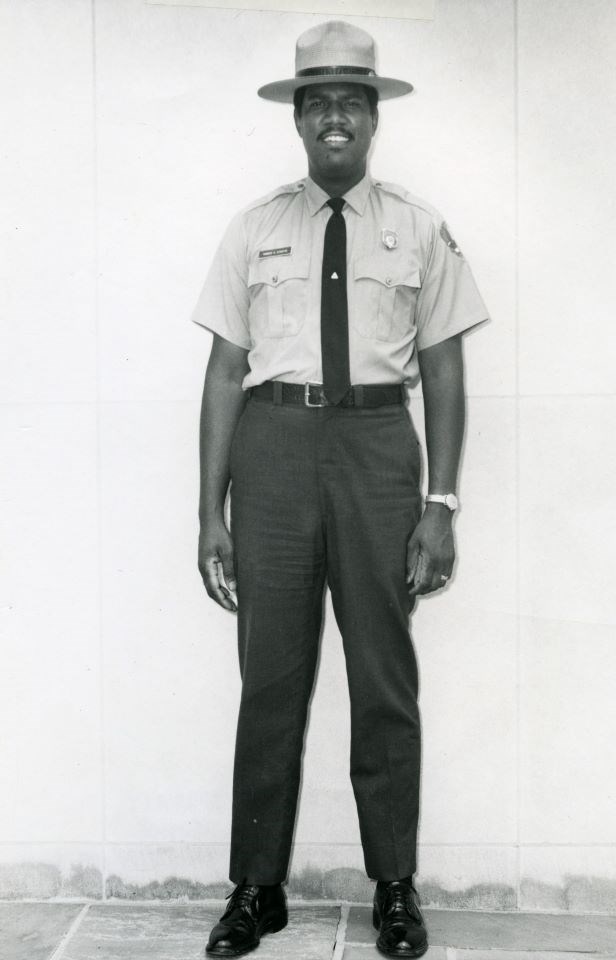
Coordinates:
(423, 576)
(439, 580)
(412, 561)
(213, 584)
(417, 575)
(412, 569)
(228, 571)
(224, 586)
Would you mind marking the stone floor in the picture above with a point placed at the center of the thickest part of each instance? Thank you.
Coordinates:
(178, 931)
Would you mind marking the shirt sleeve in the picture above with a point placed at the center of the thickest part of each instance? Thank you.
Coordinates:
(449, 301)
(222, 306)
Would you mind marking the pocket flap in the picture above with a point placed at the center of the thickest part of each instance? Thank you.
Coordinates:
(389, 270)
(273, 271)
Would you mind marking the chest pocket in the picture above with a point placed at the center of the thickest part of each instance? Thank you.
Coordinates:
(386, 290)
(278, 290)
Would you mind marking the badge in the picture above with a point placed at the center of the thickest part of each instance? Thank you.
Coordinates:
(389, 238)
(449, 240)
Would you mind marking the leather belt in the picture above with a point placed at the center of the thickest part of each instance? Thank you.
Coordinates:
(311, 394)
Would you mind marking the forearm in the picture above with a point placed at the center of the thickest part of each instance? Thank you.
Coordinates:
(221, 408)
(444, 410)
(431, 551)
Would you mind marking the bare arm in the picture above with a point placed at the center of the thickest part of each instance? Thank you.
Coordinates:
(431, 552)
(222, 406)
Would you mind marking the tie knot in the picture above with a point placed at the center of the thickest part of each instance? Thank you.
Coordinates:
(336, 203)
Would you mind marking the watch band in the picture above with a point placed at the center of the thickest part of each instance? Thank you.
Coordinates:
(449, 499)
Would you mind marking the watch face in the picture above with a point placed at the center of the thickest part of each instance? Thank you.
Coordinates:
(452, 501)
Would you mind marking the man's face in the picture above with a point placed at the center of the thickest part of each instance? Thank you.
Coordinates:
(337, 126)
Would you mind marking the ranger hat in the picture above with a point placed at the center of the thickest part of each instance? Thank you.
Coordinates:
(334, 52)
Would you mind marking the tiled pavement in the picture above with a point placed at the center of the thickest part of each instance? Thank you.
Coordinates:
(178, 931)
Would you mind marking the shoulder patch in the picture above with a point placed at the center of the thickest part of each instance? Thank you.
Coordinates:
(288, 188)
(449, 240)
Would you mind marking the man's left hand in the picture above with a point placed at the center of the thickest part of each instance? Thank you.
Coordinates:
(430, 553)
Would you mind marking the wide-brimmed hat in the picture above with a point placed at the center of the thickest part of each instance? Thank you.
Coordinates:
(334, 52)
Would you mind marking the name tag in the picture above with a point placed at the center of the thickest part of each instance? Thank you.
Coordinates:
(276, 252)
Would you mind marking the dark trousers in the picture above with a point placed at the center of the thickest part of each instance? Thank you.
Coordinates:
(320, 495)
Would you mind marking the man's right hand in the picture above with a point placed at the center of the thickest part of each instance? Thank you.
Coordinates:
(221, 409)
(216, 564)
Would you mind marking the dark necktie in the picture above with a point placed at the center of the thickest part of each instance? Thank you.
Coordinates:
(334, 310)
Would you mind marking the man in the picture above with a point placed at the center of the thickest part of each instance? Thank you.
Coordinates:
(324, 299)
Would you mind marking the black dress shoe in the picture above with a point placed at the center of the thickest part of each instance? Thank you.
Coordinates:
(252, 911)
(397, 917)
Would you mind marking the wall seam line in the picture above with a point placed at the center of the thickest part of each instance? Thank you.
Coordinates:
(99, 456)
(454, 844)
(414, 399)
(516, 295)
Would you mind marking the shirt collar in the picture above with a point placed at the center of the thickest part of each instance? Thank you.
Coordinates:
(356, 197)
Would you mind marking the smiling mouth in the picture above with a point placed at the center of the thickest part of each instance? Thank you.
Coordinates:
(336, 138)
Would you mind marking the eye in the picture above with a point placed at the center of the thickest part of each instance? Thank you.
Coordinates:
(315, 104)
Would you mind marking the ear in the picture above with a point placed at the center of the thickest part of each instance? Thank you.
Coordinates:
(298, 122)
(375, 120)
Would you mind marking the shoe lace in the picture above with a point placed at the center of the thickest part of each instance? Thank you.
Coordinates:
(400, 898)
(242, 898)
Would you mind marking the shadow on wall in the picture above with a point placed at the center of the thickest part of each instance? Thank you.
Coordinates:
(45, 881)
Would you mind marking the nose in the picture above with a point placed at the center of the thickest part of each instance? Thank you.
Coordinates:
(334, 112)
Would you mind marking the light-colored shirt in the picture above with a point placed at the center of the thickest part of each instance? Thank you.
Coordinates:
(408, 284)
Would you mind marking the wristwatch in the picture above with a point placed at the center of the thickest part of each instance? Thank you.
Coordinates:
(449, 499)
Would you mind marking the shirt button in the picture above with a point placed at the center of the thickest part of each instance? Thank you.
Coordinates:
(275, 278)
(388, 281)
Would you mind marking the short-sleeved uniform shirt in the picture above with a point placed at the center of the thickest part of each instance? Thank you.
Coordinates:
(408, 285)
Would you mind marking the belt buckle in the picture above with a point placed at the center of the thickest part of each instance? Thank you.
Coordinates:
(313, 383)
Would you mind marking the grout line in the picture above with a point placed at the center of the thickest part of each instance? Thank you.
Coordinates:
(60, 950)
(341, 930)
(516, 313)
(460, 845)
(111, 903)
(414, 399)
(99, 458)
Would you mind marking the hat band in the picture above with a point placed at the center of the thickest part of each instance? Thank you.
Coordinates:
(334, 71)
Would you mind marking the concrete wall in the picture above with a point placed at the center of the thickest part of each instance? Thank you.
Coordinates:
(133, 133)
